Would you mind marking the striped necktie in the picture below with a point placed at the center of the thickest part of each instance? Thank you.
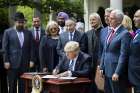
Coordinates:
(71, 65)
(111, 36)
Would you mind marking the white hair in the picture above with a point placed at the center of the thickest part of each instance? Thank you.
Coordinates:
(119, 14)
(97, 16)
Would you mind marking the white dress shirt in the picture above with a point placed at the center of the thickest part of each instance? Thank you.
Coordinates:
(72, 35)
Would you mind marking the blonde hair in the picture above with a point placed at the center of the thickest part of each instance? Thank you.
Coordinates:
(72, 46)
(49, 26)
(127, 22)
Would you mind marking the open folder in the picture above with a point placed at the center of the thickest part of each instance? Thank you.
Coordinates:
(54, 77)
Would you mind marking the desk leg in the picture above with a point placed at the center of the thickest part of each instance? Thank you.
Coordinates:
(26, 86)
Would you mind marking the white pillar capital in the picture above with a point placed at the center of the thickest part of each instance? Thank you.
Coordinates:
(117, 4)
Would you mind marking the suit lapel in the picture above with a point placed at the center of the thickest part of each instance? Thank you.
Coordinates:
(42, 33)
(78, 62)
(66, 37)
(16, 37)
(115, 35)
(75, 37)
(33, 32)
(25, 38)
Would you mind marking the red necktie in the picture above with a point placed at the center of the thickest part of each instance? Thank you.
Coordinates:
(110, 36)
(37, 35)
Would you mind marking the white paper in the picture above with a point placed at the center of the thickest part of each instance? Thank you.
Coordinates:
(54, 77)
(49, 76)
(68, 78)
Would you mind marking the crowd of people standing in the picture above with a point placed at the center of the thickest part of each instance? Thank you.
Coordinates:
(64, 50)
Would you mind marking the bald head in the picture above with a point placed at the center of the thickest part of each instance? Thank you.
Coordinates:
(137, 19)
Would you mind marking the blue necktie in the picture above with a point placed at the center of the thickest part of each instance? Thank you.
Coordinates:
(71, 36)
(71, 65)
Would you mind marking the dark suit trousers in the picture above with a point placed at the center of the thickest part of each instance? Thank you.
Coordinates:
(3, 81)
(115, 87)
(13, 78)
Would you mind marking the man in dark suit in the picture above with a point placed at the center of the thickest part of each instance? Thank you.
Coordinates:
(115, 55)
(74, 62)
(71, 35)
(38, 32)
(134, 57)
(17, 46)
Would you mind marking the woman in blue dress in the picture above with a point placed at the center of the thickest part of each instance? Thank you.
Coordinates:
(47, 49)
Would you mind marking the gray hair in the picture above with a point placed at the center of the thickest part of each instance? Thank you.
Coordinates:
(72, 46)
(119, 14)
(109, 9)
(71, 20)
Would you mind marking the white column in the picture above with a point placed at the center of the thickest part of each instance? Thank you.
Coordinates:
(37, 9)
(12, 11)
(88, 9)
(117, 4)
(51, 14)
(86, 15)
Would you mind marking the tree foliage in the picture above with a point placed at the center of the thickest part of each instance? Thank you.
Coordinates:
(70, 6)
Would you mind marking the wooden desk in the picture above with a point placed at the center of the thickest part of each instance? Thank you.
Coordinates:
(79, 85)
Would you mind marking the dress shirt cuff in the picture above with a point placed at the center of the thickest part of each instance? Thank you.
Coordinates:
(69, 73)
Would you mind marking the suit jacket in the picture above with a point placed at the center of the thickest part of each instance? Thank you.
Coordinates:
(35, 44)
(134, 61)
(82, 66)
(19, 57)
(92, 50)
(64, 38)
(103, 36)
(115, 54)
